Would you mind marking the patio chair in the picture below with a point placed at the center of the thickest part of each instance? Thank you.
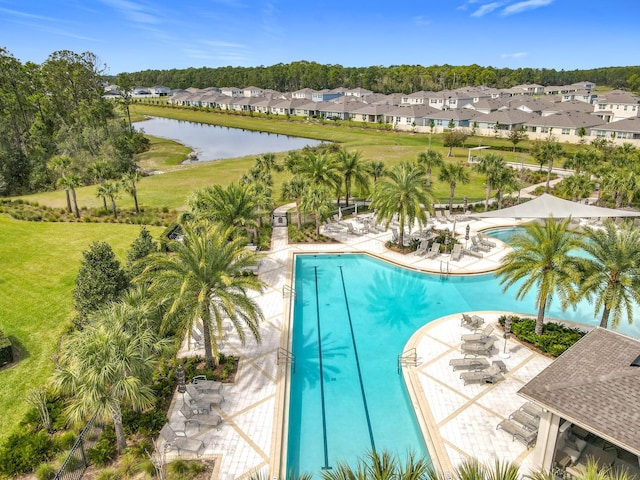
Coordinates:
(207, 420)
(526, 420)
(479, 336)
(440, 217)
(469, 363)
(471, 322)
(518, 432)
(206, 386)
(196, 339)
(456, 253)
(354, 231)
(478, 348)
(485, 240)
(394, 235)
(472, 253)
(203, 398)
(532, 409)
(477, 246)
(490, 374)
(434, 251)
(180, 443)
(422, 248)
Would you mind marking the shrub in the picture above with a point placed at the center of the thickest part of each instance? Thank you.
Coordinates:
(65, 440)
(6, 350)
(109, 474)
(105, 450)
(23, 452)
(184, 469)
(147, 423)
(555, 339)
(45, 472)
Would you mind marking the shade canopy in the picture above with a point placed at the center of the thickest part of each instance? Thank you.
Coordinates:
(546, 206)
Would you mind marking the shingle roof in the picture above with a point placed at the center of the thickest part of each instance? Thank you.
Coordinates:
(593, 386)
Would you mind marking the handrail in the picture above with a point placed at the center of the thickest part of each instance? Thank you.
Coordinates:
(408, 358)
(285, 357)
(288, 291)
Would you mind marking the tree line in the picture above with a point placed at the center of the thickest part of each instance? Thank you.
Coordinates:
(57, 109)
(392, 79)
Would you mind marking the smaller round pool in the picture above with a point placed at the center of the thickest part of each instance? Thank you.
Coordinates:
(504, 233)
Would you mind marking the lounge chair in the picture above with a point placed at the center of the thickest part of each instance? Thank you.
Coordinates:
(206, 386)
(469, 363)
(207, 420)
(351, 229)
(201, 398)
(526, 420)
(180, 443)
(478, 348)
(434, 251)
(485, 240)
(472, 253)
(518, 432)
(490, 374)
(394, 235)
(532, 409)
(471, 322)
(476, 245)
(196, 339)
(456, 253)
(422, 248)
(479, 336)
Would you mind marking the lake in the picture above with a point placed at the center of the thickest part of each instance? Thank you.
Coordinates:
(213, 142)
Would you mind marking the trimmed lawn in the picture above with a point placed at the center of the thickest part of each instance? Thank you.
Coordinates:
(40, 262)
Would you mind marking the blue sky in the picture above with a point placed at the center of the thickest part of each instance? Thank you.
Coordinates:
(133, 35)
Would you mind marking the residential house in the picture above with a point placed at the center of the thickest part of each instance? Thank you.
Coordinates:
(252, 92)
(232, 91)
(620, 131)
(326, 95)
(160, 90)
(303, 93)
(372, 113)
(500, 122)
(616, 105)
(589, 399)
(565, 126)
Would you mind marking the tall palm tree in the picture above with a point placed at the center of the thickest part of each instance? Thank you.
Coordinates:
(354, 170)
(577, 186)
(129, 181)
(547, 151)
(315, 200)
(203, 280)
(293, 190)
(612, 274)
(382, 466)
(541, 258)
(267, 163)
(108, 364)
(70, 182)
(319, 169)
(234, 205)
(429, 160)
(582, 161)
(505, 180)
(61, 165)
(491, 166)
(112, 191)
(403, 191)
(453, 173)
(99, 172)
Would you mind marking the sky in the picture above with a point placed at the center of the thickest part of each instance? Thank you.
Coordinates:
(135, 35)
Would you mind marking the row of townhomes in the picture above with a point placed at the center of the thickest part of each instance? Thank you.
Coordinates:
(571, 113)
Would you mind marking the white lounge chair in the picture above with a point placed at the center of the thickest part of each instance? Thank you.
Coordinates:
(484, 240)
(491, 374)
(475, 241)
(456, 253)
(422, 248)
(478, 336)
(434, 251)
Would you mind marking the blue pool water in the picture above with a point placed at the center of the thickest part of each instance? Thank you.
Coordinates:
(353, 315)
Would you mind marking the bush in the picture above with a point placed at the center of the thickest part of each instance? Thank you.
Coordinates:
(23, 452)
(6, 350)
(45, 472)
(105, 450)
(146, 423)
(65, 441)
(109, 474)
(184, 469)
(555, 339)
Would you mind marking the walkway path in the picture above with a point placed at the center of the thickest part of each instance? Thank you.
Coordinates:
(463, 419)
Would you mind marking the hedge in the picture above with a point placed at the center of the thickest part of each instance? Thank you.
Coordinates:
(555, 338)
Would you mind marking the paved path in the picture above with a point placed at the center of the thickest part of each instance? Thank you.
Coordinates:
(461, 418)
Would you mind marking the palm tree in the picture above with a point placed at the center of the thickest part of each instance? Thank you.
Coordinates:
(403, 191)
(234, 205)
(108, 364)
(541, 258)
(491, 166)
(315, 199)
(319, 170)
(267, 162)
(293, 190)
(612, 274)
(111, 190)
(353, 169)
(70, 182)
(376, 170)
(577, 186)
(453, 173)
(129, 181)
(382, 466)
(429, 160)
(203, 280)
(61, 164)
(548, 151)
(507, 181)
(99, 171)
(582, 161)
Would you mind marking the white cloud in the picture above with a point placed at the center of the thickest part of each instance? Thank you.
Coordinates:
(486, 8)
(525, 5)
(135, 12)
(216, 43)
(30, 16)
(421, 21)
(514, 55)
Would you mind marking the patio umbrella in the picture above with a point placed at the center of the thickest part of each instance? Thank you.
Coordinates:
(339, 213)
(356, 204)
(466, 235)
(181, 376)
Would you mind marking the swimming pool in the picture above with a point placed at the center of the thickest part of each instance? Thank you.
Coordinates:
(353, 314)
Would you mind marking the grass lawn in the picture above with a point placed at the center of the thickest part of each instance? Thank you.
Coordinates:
(40, 262)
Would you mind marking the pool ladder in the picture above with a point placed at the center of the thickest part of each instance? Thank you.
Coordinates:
(408, 358)
(285, 357)
(445, 268)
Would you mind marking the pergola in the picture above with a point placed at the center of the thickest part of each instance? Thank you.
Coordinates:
(546, 206)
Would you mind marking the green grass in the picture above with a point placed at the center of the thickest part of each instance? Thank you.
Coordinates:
(40, 262)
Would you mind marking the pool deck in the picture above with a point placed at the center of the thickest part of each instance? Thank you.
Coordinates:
(461, 419)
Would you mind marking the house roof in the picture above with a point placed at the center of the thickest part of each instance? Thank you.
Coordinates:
(631, 125)
(594, 386)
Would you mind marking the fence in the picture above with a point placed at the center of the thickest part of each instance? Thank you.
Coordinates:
(76, 462)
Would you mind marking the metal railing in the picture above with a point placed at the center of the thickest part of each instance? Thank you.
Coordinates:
(76, 462)
(286, 357)
(408, 358)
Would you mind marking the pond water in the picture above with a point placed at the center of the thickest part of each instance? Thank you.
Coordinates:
(213, 142)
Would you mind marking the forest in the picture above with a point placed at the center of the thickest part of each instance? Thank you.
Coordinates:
(392, 79)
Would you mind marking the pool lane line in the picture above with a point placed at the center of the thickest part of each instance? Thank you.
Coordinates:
(324, 412)
(355, 351)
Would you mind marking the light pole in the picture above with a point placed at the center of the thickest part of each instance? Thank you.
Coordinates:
(506, 335)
